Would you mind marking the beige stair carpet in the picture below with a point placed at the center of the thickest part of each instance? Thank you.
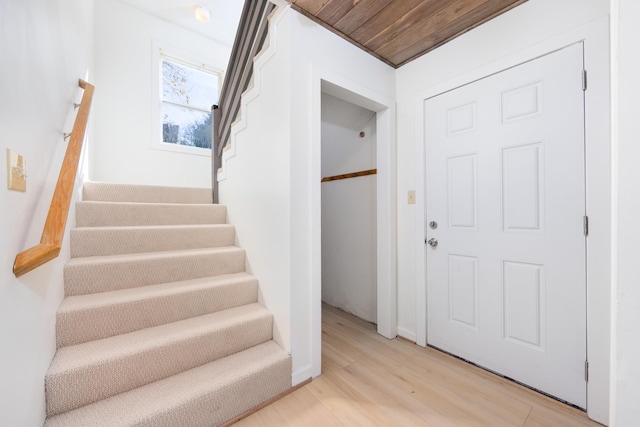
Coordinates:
(96, 214)
(111, 272)
(205, 396)
(160, 325)
(93, 241)
(111, 313)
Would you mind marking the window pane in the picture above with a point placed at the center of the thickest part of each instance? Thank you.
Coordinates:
(188, 86)
(186, 126)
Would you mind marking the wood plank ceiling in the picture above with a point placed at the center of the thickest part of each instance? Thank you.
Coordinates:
(399, 31)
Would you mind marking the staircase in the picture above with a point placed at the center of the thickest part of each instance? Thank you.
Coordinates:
(160, 325)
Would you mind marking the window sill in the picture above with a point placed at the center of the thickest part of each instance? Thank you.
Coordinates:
(164, 146)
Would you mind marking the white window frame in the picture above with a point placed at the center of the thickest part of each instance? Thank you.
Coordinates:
(160, 52)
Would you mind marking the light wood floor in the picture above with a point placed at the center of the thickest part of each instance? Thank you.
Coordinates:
(368, 380)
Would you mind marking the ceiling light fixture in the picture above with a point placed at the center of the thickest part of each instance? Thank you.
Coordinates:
(202, 14)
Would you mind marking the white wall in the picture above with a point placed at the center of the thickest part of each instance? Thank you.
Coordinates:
(626, 410)
(45, 48)
(271, 178)
(349, 209)
(123, 149)
(255, 182)
(317, 54)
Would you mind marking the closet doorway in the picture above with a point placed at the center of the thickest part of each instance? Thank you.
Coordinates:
(349, 204)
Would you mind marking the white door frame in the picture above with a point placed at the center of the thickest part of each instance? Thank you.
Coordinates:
(347, 90)
(595, 37)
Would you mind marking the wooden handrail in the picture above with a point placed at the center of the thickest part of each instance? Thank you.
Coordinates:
(350, 175)
(51, 240)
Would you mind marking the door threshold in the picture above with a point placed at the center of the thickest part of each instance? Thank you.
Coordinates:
(564, 402)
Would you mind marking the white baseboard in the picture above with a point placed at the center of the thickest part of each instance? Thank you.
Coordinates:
(406, 334)
(301, 375)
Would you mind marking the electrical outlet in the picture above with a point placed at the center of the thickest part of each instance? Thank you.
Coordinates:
(412, 197)
(16, 172)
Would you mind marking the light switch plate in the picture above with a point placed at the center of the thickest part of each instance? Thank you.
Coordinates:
(16, 172)
(412, 197)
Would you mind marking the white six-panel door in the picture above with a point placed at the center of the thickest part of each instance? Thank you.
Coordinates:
(506, 283)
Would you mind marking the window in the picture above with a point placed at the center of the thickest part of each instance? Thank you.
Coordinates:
(187, 93)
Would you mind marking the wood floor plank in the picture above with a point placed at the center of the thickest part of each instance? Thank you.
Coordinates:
(302, 408)
(546, 418)
(333, 358)
(363, 355)
(400, 403)
(491, 382)
(487, 381)
(351, 403)
(369, 380)
(467, 386)
(476, 406)
(447, 401)
(268, 416)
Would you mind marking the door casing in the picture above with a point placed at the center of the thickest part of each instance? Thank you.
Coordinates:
(490, 237)
(595, 37)
(350, 91)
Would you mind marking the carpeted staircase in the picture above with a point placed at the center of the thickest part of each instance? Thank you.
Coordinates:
(160, 325)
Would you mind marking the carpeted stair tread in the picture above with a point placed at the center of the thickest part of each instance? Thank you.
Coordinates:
(85, 373)
(99, 214)
(107, 273)
(96, 241)
(112, 192)
(204, 396)
(83, 318)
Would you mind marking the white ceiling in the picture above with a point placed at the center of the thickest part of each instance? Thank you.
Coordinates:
(222, 26)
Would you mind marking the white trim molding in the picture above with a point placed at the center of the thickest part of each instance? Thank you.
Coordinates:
(323, 81)
(160, 49)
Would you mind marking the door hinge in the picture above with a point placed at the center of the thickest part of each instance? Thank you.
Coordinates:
(586, 370)
(584, 80)
(585, 225)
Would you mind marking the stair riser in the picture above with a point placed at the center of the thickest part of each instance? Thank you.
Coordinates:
(70, 390)
(104, 241)
(242, 381)
(144, 193)
(230, 402)
(109, 276)
(81, 326)
(99, 214)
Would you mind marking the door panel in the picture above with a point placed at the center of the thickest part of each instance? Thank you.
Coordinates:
(506, 284)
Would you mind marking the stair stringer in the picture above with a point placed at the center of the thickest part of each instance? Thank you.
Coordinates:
(254, 90)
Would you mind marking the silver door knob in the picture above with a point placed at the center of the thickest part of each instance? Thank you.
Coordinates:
(433, 242)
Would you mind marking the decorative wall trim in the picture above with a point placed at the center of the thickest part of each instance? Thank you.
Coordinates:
(255, 87)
